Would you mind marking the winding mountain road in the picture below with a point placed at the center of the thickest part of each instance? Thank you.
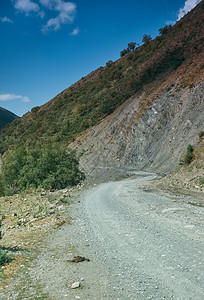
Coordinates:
(142, 244)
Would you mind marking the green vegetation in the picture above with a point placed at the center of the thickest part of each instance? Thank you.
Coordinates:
(4, 257)
(124, 52)
(109, 63)
(49, 167)
(188, 157)
(35, 109)
(131, 47)
(201, 135)
(201, 180)
(2, 187)
(146, 38)
(165, 29)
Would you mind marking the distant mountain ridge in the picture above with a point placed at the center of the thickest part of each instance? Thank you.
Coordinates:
(6, 117)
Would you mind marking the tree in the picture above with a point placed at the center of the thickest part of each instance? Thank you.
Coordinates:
(131, 46)
(165, 29)
(35, 109)
(124, 52)
(146, 38)
(109, 63)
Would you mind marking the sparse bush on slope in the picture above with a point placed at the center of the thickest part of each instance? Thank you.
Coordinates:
(188, 156)
(4, 258)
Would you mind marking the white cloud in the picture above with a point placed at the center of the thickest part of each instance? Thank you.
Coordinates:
(169, 22)
(6, 20)
(48, 3)
(75, 31)
(28, 7)
(66, 14)
(189, 4)
(8, 97)
(52, 24)
(65, 11)
(25, 99)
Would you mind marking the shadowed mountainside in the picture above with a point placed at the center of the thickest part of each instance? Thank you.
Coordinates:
(6, 117)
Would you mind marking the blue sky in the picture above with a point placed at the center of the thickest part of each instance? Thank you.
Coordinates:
(47, 45)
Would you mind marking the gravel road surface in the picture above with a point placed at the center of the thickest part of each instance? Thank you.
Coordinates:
(142, 243)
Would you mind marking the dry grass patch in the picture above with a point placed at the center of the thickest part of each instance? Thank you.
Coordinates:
(26, 220)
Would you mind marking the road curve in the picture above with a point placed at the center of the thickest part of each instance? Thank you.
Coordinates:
(142, 244)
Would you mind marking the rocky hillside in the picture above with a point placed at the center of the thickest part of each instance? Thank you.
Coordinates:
(156, 140)
(140, 111)
(6, 117)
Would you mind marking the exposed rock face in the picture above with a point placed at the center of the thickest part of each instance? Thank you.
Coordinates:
(155, 140)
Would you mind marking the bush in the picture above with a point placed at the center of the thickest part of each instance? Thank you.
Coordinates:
(4, 258)
(131, 46)
(109, 63)
(124, 52)
(2, 187)
(165, 29)
(201, 135)
(49, 167)
(189, 155)
(201, 180)
(188, 158)
(35, 109)
(146, 38)
(190, 149)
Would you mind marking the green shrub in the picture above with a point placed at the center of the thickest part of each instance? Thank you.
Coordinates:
(50, 167)
(109, 63)
(201, 180)
(2, 187)
(189, 155)
(4, 258)
(201, 134)
(190, 149)
(124, 52)
(188, 158)
(35, 109)
(146, 38)
(165, 29)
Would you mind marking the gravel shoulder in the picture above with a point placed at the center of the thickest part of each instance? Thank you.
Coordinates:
(142, 242)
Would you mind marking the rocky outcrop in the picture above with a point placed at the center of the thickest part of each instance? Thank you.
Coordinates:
(154, 140)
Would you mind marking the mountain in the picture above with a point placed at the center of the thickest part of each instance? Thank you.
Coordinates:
(6, 117)
(140, 111)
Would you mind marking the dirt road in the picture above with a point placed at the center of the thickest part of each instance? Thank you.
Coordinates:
(142, 244)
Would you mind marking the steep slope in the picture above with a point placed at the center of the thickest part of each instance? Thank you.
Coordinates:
(6, 117)
(140, 111)
(156, 141)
